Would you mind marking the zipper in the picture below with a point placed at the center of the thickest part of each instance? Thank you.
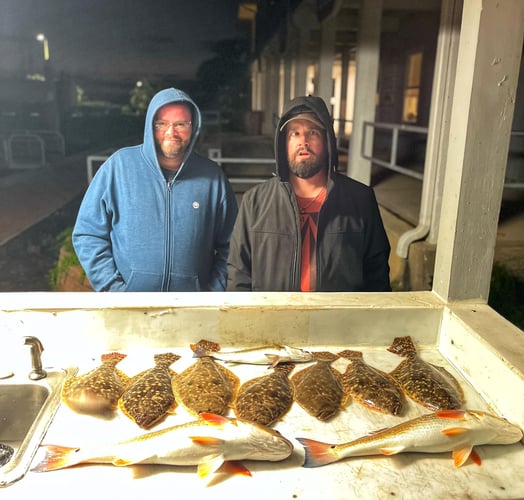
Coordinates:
(295, 264)
(166, 276)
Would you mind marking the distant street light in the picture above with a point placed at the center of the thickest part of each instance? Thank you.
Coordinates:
(43, 40)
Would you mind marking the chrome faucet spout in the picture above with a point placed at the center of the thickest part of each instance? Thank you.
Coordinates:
(36, 349)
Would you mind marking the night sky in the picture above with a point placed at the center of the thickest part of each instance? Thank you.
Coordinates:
(122, 39)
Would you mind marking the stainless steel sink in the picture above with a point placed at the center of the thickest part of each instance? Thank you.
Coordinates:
(27, 407)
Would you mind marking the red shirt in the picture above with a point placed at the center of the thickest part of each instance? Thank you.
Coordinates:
(309, 210)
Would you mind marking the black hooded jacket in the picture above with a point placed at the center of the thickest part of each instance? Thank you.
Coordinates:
(352, 246)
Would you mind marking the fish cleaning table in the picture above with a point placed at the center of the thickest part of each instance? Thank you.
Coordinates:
(484, 352)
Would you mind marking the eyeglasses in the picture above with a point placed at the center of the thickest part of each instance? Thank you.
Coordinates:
(182, 126)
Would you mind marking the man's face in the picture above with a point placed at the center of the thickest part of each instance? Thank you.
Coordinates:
(172, 130)
(306, 148)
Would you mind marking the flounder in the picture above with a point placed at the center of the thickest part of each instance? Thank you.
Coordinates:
(370, 386)
(97, 391)
(318, 388)
(149, 396)
(429, 385)
(266, 399)
(206, 386)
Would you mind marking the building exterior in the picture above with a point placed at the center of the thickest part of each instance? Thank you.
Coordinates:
(391, 71)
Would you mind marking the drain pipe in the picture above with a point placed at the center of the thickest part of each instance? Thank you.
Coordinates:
(443, 82)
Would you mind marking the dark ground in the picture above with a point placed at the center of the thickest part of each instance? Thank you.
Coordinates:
(25, 261)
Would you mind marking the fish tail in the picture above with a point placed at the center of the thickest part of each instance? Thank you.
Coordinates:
(113, 358)
(166, 358)
(317, 453)
(403, 346)
(57, 457)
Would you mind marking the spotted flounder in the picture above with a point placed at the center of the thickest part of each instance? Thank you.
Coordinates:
(264, 400)
(206, 387)
(149, 397)
(318, 388)
(97, 391)
(370, 386)
(429, 385)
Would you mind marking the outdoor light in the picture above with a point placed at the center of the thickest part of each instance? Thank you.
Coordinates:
(42, 38)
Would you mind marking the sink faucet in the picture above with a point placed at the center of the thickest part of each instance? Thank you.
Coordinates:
(36, 358)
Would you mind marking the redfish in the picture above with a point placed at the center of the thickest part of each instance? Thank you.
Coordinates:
(211, 442)
(457, 431)
(97, 391)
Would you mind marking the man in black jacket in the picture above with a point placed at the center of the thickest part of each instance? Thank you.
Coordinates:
(309, 228)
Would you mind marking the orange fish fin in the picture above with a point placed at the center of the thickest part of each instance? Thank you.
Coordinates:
(454, 431)
(121, 462)
(317, 453)
(172, 409)
(452, 414)
(212, 418)
(57, 457)
(206, 440)
(460, 455)
(392, 450)
(234, 467)
(475, 457)
(209, 464)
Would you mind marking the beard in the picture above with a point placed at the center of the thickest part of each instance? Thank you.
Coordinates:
(306, 169)
(171, 149)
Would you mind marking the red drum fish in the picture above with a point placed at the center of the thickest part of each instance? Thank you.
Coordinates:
(457, 431)
(211, 442)
(264, 355)
(265, 399)
(429, 385)
(370, 386)
(97, 391)
(149, 396)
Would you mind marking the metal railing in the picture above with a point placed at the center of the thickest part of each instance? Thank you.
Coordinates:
(214, 154)
(30, 148)
(392, 162)
(396, 129)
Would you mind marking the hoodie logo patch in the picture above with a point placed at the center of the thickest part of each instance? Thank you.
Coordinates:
(196, 204)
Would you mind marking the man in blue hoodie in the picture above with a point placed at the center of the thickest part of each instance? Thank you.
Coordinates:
(158, 216)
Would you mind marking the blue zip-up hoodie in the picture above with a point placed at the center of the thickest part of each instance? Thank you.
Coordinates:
(137, 232)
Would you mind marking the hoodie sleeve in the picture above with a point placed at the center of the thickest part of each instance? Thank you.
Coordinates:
(227, 216)
(91, 239)
(239, 260)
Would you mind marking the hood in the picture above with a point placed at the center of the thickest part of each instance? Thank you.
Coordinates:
(304, 104)
(168, 96)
